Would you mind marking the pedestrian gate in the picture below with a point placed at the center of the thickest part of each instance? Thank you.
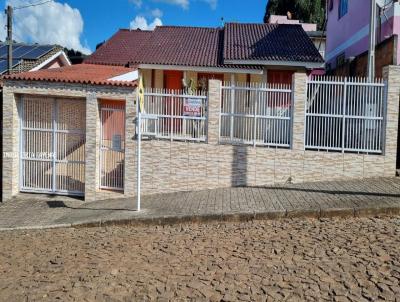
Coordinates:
(112, 147)
(52, 145)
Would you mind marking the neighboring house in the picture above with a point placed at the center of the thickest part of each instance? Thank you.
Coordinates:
(238, 52)
(348, 34)
(317, 36)
(27, 57)
(34, 57)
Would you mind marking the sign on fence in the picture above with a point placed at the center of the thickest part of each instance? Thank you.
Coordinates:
(192, 107)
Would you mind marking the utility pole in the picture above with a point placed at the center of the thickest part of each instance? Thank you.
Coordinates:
(372, 42)
(9, 12)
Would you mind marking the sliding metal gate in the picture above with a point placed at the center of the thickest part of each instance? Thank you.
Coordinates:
(112, 147)
(52, 145)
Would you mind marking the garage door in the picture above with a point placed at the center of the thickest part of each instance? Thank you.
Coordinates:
(52, 145)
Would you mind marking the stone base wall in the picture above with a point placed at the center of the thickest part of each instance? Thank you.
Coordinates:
(183, 166)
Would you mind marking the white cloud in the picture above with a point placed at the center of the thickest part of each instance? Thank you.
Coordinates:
(50, 23)
(157, 13)
(138, 3)
(141, 22)
(212, 3)
(183, 3)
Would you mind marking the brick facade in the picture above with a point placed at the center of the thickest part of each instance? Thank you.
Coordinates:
(181, 166)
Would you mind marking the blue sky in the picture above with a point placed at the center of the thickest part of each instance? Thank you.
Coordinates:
(84, 23)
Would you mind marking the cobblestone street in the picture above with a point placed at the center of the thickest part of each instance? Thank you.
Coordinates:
(354, 259)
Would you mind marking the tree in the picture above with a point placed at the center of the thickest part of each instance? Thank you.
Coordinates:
(308, 11)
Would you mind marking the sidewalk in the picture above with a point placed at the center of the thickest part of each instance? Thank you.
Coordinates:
(328, 199)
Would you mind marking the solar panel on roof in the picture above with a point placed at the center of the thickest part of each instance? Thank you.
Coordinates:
(21, 51)
(3, 51)
(37, 52)
(3, 66)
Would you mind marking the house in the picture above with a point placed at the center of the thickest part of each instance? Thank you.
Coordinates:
(348, 35)
(238, 52)
(28, 57)
(32, 57)
(229, 106)
(317, 36)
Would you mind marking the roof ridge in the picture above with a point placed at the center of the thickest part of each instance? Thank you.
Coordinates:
(135, 30)
(189, 26)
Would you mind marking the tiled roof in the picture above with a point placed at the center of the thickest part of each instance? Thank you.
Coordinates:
(121, 48)
(185, 46)
(80, 74)
(208, 47)
(269, 42)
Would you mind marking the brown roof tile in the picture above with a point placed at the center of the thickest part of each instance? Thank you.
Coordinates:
(269, 42)
(81, 74)
(120, 49)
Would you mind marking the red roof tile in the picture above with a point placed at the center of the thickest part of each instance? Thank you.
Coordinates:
(120, 49)
(269, 42)
(82, 74)
(208, 47)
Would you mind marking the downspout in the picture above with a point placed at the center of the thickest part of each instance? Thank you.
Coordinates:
(372, 42)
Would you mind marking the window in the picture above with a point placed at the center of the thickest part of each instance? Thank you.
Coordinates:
(343, 7)
(340, 60)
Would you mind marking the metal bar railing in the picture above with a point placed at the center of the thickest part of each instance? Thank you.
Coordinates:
(345, 114)
(257, 114)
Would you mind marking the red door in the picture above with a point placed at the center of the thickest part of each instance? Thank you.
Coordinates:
(173, 106)
(202, 79)
(280, 76)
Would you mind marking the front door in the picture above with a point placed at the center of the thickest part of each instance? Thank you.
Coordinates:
(280, 77)
(173, 106)
(112, 147)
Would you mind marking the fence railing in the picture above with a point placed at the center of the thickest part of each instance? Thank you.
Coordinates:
(256, 114)
(345, 114)
(175, 114)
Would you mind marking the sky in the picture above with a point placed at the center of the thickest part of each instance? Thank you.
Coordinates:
(82, 24)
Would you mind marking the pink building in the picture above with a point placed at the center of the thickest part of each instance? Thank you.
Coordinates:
(348, 28)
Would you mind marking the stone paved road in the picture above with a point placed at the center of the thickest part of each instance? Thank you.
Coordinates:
(356, 259)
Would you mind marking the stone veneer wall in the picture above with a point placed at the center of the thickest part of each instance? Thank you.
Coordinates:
(184, 166)
(92, 94)
(180, 166)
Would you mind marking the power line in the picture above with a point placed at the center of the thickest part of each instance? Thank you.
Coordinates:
(33, 4)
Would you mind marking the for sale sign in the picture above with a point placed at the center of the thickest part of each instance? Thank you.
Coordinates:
(192, 107)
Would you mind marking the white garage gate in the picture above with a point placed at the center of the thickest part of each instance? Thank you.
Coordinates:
(52, 145)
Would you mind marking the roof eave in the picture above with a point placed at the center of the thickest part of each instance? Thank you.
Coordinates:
(201, 68)
(307, 65)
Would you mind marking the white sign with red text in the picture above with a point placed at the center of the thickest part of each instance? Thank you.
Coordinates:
(192, 107)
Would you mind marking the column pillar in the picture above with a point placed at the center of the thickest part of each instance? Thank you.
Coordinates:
(299, 98)
(130, 146)
(92, 155)
(11, 140)
(214, 107)
(391, 75)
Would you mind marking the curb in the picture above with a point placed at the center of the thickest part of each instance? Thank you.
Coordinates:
(230, 217)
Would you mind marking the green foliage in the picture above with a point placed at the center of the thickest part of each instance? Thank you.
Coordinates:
(308, 11)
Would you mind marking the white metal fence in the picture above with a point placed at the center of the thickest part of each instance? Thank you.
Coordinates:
(256, 114)
(175, 114)
(112, 146)
(345, 114)
(52, 149)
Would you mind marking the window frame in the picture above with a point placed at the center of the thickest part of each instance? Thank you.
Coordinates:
(343, 8)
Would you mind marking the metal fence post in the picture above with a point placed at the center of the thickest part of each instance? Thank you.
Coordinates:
(344, 104)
